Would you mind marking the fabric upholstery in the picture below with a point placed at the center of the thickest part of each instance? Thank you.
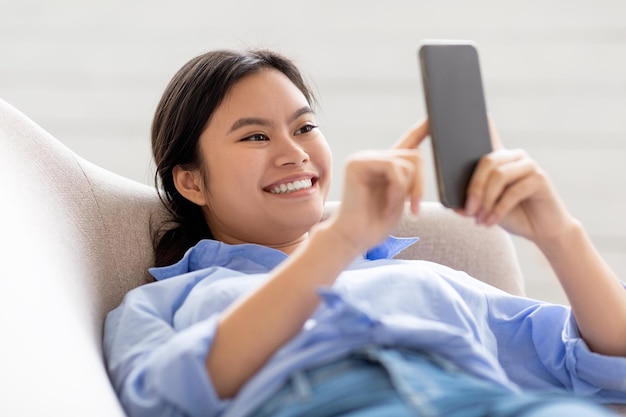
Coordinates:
(449, 239)
(75, 238)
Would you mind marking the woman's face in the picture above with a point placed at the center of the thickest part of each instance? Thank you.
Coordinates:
(268, 165)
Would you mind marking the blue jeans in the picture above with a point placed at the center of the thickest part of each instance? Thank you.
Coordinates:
(399, 383)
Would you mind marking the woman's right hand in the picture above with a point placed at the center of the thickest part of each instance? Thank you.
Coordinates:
(377, 184)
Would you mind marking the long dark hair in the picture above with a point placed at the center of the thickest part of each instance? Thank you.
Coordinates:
(186, 107)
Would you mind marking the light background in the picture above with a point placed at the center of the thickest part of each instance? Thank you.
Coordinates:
(91, 73)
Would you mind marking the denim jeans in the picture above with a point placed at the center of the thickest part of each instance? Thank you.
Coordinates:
(398, 383)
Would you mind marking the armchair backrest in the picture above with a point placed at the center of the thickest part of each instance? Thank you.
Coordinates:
(73, 240)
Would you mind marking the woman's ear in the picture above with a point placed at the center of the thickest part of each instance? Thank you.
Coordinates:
(189, 184)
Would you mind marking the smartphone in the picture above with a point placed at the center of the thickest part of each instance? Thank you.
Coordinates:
(457, 114)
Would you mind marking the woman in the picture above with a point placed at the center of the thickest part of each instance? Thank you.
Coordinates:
(273, 313)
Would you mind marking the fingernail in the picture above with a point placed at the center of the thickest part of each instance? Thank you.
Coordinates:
(471, 205)
(480, 216)
(490, 220)
(415, 206)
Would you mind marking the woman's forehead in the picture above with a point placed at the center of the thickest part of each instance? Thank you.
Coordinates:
(262, 95)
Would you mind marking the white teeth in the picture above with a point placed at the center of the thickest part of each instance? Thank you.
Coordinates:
(292, 186)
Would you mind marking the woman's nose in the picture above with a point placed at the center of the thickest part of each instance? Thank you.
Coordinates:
(291, 153)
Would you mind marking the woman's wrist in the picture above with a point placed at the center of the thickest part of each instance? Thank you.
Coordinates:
(563, 241)
(340, 243)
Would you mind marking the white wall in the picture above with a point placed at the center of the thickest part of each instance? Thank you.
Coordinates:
(91, 73)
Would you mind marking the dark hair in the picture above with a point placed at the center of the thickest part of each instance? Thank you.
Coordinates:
(186, 107)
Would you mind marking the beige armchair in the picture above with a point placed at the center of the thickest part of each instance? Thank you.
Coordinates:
(74, 239)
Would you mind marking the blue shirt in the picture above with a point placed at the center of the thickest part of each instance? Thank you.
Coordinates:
(157, 340)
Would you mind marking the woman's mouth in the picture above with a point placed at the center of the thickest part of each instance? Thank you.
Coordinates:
(293, 186)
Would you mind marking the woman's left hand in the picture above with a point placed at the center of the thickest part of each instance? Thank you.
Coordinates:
(510, 189)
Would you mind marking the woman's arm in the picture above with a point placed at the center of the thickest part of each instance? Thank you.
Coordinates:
(376, 188)
(510, 189)
(252, 329)
(597, 297)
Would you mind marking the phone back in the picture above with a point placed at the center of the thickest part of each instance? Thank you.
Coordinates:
(457, 115)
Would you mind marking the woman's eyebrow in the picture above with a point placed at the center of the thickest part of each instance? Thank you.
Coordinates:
(300, 112)
(249, 121)
(257, 121)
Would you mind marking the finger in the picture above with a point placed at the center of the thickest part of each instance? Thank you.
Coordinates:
(496, 142)
(404, 181)
(514, 195)
(397, 173)
(503, 178)
(399, 185)
(416, 185)
(474, 195)
(480, 177)
(417, 193)
(413, 137)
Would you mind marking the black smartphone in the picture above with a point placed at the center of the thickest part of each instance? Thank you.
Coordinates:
(457, 114)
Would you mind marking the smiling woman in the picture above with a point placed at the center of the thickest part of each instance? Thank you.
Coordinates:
(260, 309)
(194, 96)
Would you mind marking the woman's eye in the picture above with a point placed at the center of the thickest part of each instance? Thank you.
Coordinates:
(305, 129)
(258, 137)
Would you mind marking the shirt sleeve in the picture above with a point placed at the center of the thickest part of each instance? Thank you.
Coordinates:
(155, 369)
(540, 348)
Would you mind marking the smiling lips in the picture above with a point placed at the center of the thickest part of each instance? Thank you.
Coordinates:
(290, 187)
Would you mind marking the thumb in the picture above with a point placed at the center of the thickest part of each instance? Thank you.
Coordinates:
(496, 142)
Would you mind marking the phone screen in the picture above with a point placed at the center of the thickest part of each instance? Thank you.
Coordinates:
(457, 114)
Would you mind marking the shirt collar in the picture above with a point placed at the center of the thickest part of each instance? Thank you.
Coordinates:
(251, 258)
(390, 247)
